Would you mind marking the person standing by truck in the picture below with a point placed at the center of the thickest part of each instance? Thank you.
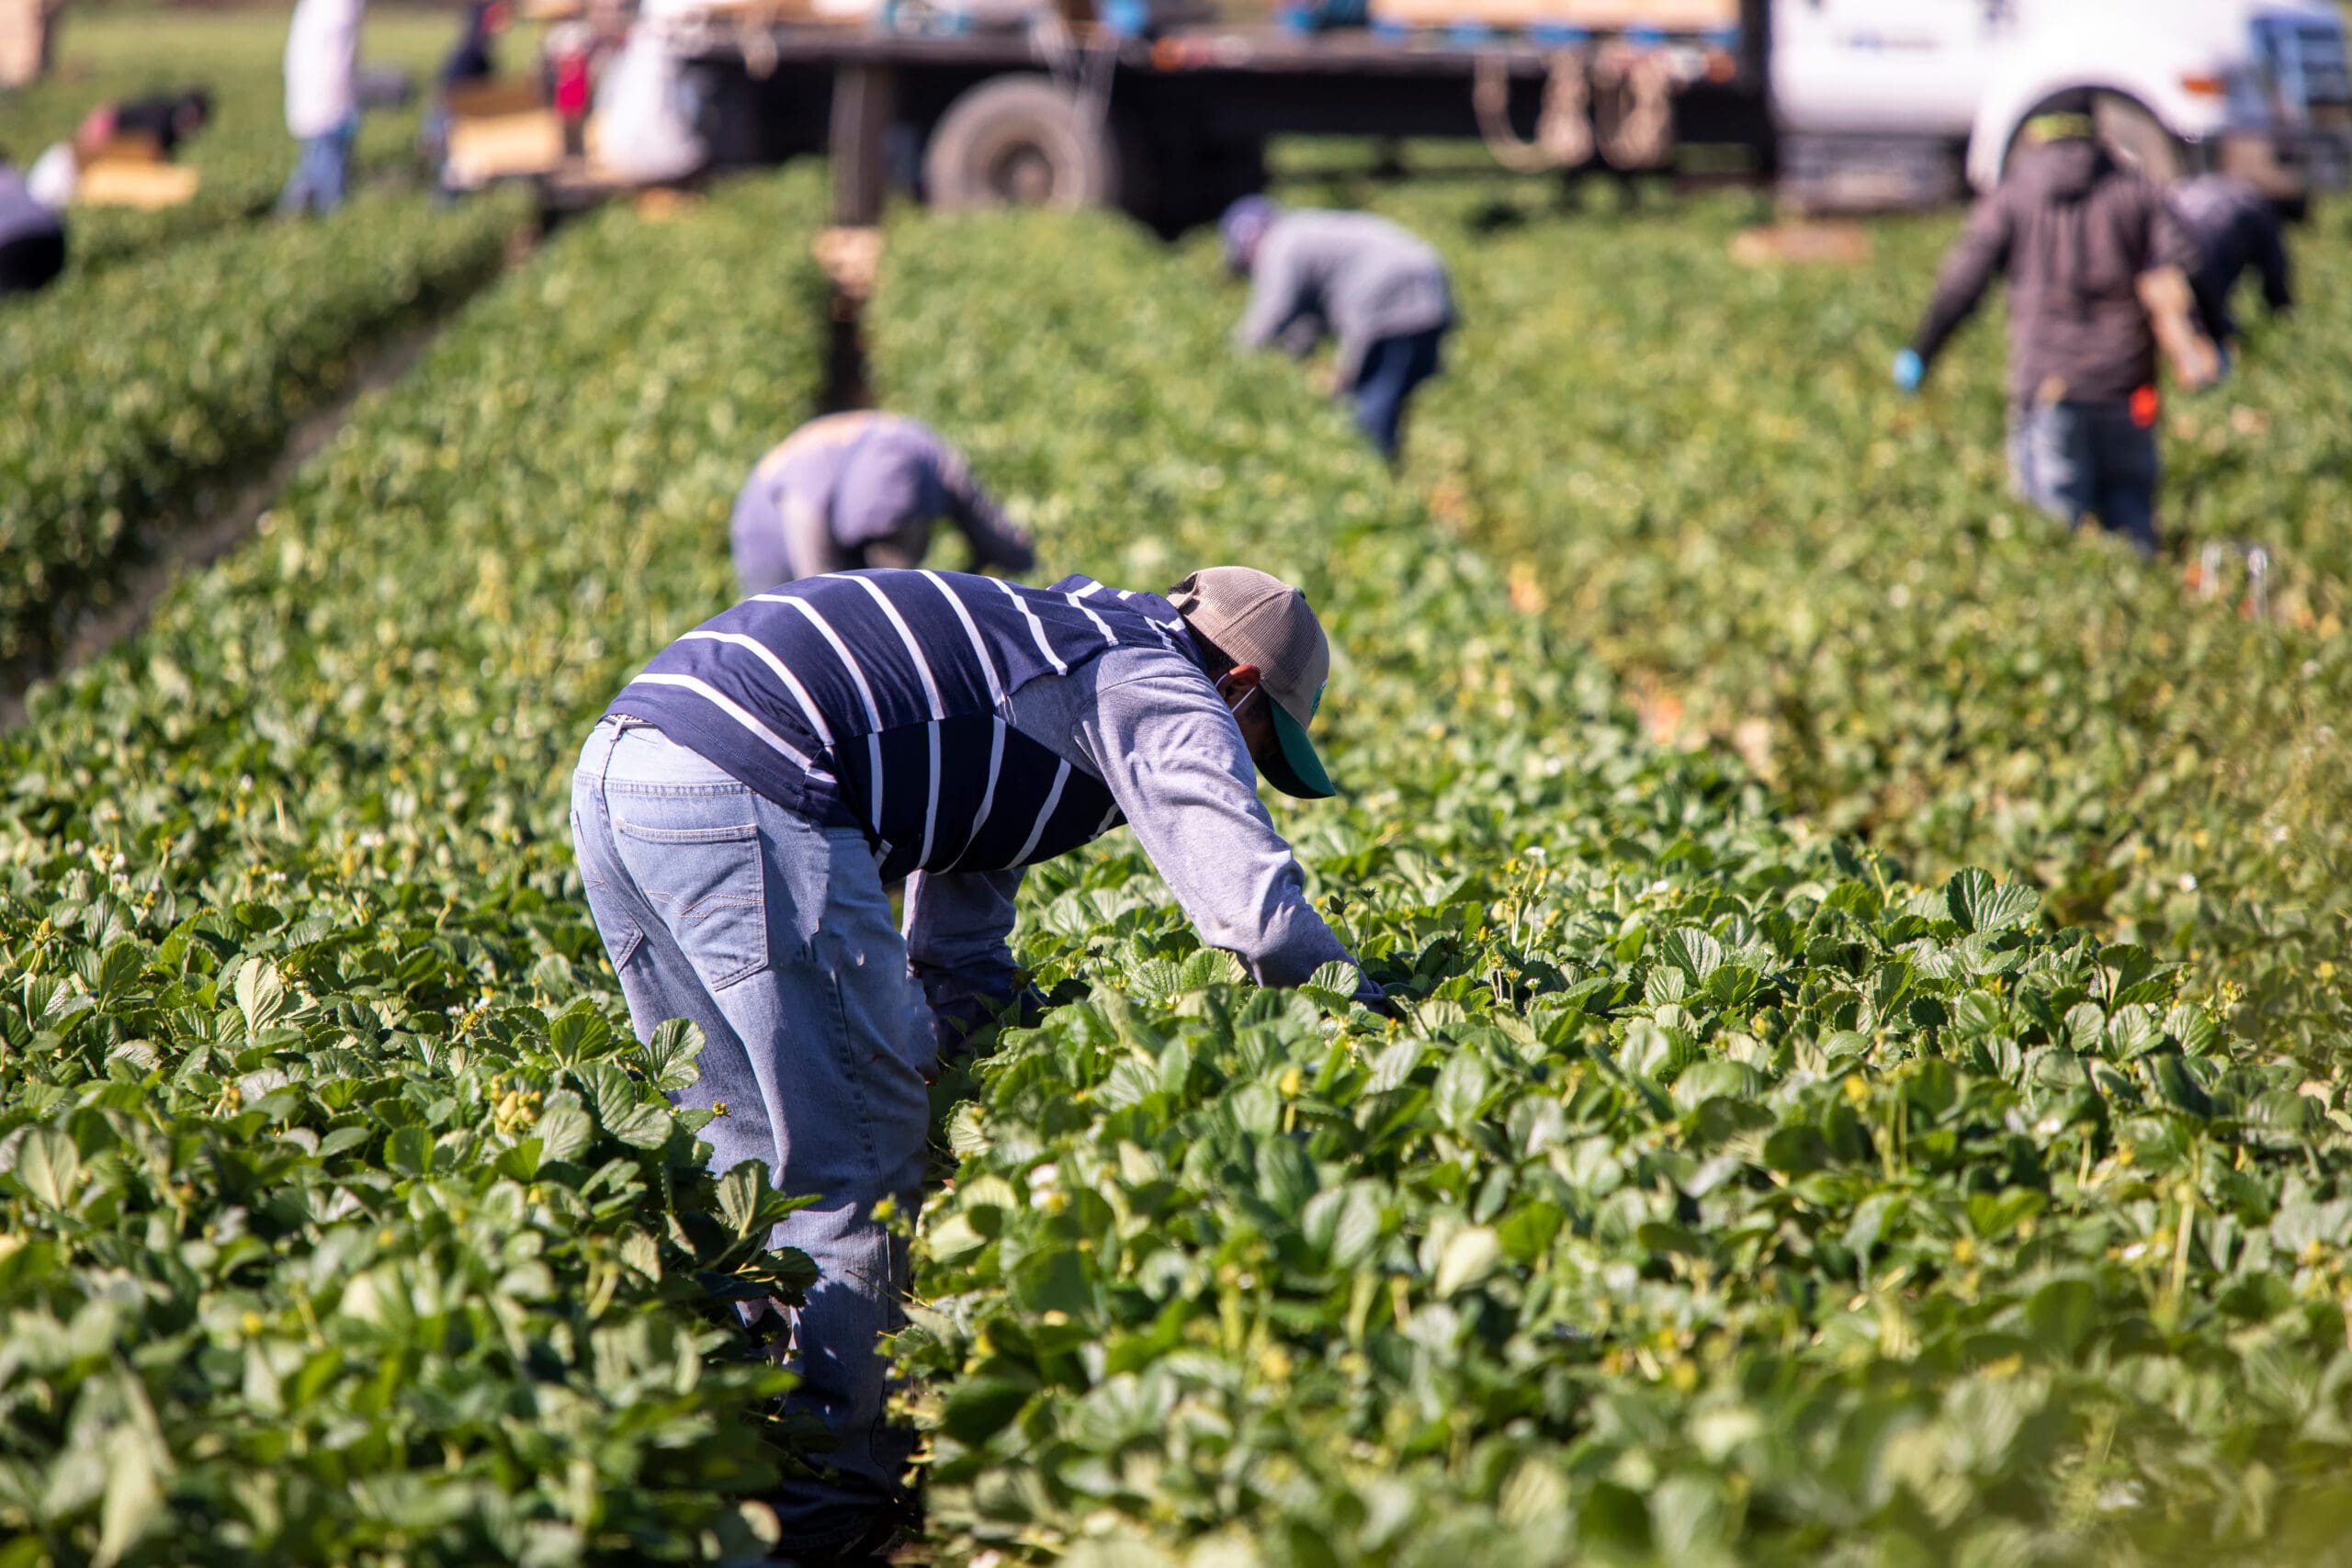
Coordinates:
(1381, 292)
(2235, 228)
(863, 488)
(2099, 274)
(322, 102)
(741, 804)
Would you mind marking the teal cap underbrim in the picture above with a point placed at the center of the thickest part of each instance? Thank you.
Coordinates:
(1295, 770)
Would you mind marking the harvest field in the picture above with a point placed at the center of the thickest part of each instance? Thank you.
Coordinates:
(1872, 1087)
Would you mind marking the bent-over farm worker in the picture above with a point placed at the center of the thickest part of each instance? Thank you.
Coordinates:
(2098, 275)
(322, 102)
(165, 119)
(743, 801)
(858, 489)
(2235, 228)
(32, 236)
(1379, 291)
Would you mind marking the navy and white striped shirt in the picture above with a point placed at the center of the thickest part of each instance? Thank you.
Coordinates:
(881, 700)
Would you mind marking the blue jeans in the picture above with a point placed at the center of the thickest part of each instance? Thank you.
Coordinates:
(775, 935)
(1392, 367)
(321, 173)
(2078, 460)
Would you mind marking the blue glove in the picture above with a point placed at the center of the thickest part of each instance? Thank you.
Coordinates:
(1910, 370)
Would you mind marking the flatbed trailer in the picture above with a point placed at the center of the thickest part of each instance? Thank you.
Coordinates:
(1172, 127)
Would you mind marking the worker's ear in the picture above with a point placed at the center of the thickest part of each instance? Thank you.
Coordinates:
(1239, 681)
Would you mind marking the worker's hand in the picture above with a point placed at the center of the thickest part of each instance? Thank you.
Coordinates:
(2200, 363)
(1909, 371)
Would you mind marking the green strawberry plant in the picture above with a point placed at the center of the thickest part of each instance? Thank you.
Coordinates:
(1721, 1196)
(342, 1217)
(1701, 469)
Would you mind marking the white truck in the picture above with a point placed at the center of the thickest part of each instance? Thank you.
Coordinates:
(2257, 87)
(1845, 104)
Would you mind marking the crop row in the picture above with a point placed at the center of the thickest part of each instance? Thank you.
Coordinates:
(1701, 469)
(130, 391)
(339, 1221)
(1724, 1197)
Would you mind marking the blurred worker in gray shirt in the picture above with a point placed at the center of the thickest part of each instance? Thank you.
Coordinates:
(2235, 228)
(2098, 275)
(1381, 292)
(862, 490)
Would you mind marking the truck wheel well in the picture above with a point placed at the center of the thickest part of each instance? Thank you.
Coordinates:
(2126, 124)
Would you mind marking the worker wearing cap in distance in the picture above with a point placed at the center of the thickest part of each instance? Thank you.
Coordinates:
(743, 801)
(2236, 229)
(2099, 274)
(1379, 291)
(858, 489)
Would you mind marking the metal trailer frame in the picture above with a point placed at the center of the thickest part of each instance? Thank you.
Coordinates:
(1191, 108)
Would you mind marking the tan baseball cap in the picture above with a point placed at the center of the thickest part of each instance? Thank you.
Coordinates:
(1260, 619)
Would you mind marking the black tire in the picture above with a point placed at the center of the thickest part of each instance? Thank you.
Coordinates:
(1021, 142)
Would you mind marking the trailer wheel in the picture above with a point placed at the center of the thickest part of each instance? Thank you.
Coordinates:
(1021, 142)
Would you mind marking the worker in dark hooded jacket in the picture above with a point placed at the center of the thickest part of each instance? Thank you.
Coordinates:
(2236, 229)
(2099, 273)
(859, 490)
(1381, 292)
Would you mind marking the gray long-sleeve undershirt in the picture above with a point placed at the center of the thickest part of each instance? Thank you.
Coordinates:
(1152, 727)
(1362, 277)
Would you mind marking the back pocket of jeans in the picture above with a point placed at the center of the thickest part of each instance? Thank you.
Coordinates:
(707, 880)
